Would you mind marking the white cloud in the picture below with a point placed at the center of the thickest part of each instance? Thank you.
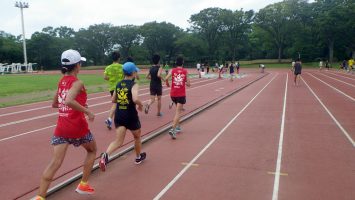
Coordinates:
(82, 13)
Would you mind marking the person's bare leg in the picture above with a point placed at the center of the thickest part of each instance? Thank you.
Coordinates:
(89, 160)
(137, 141)
(48, 174)
(159, 104)
(176, 119)
(120, 135)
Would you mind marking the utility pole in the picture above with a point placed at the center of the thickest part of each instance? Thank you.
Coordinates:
(23, 5)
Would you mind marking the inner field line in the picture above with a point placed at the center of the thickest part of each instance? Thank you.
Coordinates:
(349, 84)
(341, 92)
(179, 175)
(331, 115)
(275, 193)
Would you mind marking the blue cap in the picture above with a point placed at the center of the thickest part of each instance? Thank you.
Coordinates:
(129, 68)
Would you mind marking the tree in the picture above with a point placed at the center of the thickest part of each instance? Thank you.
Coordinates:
(208, 24)
(95, 42)
(10, 48)
(276, 22)
(125, 37)
(160, 38)
(237, 25)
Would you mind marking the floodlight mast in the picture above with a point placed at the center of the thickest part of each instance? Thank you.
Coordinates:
(23, 5)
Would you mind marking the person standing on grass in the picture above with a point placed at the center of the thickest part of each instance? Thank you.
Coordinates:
(321, 65)
(72, 127)
(179, 80)
(237, 65)
(166, 68)
(156, 88)
(231, 72)
(126, 115)
(113, 74)
(297, 72)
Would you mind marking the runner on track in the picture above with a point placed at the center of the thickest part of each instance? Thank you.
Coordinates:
(156, 88)
(179, 80)
(113, 74)
(298, 70)
(126, 115)
(72, 127)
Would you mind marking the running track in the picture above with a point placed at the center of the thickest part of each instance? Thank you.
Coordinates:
(270, 140)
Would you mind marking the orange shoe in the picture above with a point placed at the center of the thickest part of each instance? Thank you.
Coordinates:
(38, 198)
(84, 189)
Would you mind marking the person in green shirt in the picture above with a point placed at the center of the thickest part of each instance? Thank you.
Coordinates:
(113, 74)
(166, 68)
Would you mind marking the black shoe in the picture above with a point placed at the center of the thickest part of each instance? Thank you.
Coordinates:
(141, 158)
(172, 133)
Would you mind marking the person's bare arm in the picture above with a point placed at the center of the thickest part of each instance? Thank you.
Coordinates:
(114, 97)
(135, 98)
(71, 102)
(188, 80)
(106, 77)
(160, 71)
(55, 101)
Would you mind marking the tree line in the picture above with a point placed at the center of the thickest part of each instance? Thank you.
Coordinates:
(323, 29)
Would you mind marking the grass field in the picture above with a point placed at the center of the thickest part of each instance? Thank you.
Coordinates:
(20, 89)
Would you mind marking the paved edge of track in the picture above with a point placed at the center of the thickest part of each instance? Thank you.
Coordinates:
(160, 131)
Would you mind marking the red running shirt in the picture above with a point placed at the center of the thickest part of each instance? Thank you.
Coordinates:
(71, 123)
(178, 82)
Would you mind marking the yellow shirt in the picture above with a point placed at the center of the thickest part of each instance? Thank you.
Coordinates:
(114, 72)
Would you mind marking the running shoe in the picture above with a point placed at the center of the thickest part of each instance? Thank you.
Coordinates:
(142, 157)
(160, 114)
(178, 129)
(103, 161)
(172, 133)
(146, 108)
(171, 105)
(38, 198)
(108, 123)
(84, 189)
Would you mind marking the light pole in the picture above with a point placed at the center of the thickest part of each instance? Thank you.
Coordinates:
(23, 5)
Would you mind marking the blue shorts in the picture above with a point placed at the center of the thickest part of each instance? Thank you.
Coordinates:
(74, 141)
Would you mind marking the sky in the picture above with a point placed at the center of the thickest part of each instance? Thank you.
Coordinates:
(78, 14)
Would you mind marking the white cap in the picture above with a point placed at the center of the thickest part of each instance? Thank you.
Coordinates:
(70, 57)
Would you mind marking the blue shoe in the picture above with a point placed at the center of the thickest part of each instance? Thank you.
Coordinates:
(172, 133)
(108, 124)
(178, 129)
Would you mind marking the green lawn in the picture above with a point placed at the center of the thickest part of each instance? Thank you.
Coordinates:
(19, 89)
(20, 84)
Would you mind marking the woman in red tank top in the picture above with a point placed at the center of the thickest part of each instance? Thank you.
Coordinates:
(72, 127)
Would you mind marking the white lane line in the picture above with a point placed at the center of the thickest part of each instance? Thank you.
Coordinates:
(352, 85)
(178, 176)
(21, 134)
(36, 130)
(331, 115)
(93, 105)
(89, 99)
(340, 76)
(275, 193)
(343, 93)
